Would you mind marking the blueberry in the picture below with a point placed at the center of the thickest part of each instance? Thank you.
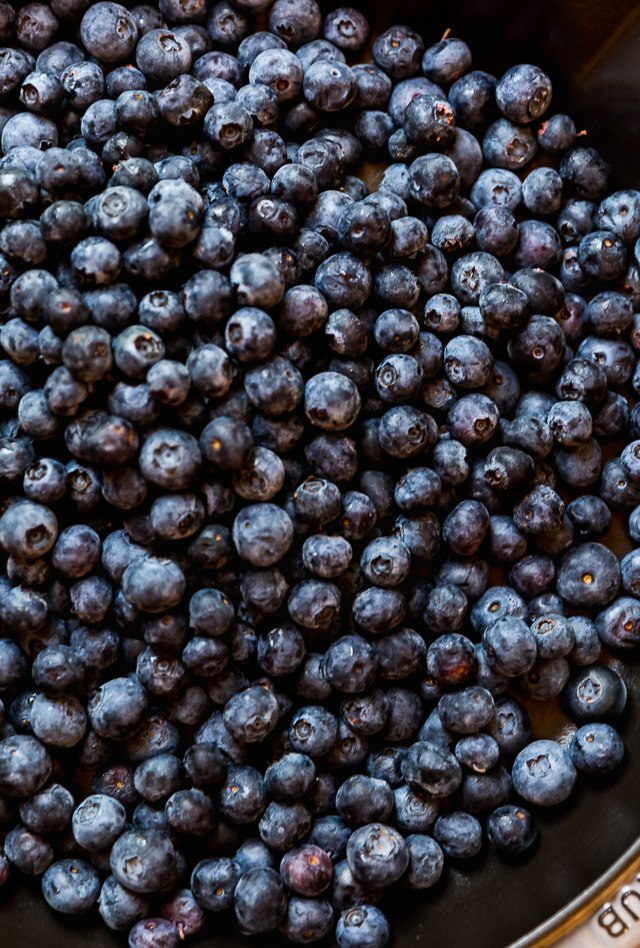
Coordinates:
(428, 121)
(184, 912)
(510, 728)
(329, 86)
(158, 777)
(281, 651)
(306, 870)
(378, 610)
(426, 862)
(25, 765)
(511, 829)
(282, 825)
(307, 919)
(496, 230)
(58, 720)
(30, 853)
(190, 812)
(542, 191)
(586, 172)
(546, 679)
(331, 401)
(251, 715)
(280, 70)
(523, 93)
(478, 752)
(108, 32)
(459, 834)
(470, 274)
(451, 658)
(596, 748)
(290, 777)
(363, 799)
(586, 649)
(117, 707)
(47, 811)
(472, 95)
(466, 711)
(602, 255)
(473, 419)
(507, 543)
(401, 654)
(346, 28)
(509, 146)
(28, 530)
(143, 860)
(351, 664)
(431, 768)
(434, 180)
(510, 646)
(498, 602)
(554, 636)
(363, 925)
(588, 575)
(543, 773)
(465, 527)
(414, 810)
(71, 886)
(154, 931)
(377, 854)
(445, 609)
(119, 908)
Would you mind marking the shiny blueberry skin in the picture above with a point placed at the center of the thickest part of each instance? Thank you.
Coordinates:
(414, 810)
(398, 51)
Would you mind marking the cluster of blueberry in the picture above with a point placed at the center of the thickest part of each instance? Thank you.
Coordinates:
(255, 419)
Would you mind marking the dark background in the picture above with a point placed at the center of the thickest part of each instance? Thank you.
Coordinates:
(592, 52)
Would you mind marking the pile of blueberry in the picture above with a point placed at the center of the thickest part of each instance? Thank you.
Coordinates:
(263, 434)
